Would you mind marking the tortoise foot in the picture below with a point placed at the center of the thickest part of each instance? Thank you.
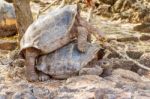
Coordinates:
(43, 76)
(31, 76)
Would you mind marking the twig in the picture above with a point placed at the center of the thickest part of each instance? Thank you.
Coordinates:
(89, 14)
(108, 46)
(46, 8)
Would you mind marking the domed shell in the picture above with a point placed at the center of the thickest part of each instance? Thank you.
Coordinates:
(67, 61)
(51, 31)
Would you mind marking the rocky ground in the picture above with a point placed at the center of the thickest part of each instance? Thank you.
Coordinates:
(121, 78)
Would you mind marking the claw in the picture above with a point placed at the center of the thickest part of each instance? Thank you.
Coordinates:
(43, 77)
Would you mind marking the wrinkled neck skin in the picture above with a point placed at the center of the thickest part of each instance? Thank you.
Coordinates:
(79, 22)
(73, 31)
(91, 29)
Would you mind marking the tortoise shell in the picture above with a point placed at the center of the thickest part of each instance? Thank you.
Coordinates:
(50, 32)
(67, 61)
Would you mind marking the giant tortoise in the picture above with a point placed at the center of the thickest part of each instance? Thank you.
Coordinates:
(67, 61)
(54, 31)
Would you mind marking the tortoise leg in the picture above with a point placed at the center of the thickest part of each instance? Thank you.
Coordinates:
(82, 39)
(30, 56)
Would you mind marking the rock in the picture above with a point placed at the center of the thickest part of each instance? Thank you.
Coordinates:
(29, 96)
(113, 55)
(111, 2)
(141, 97)
(2, 86)
(127, 74)
(103, 10)
(7, 19)
(112, 94)
(143, 85)
(25, 85)
(109, 96)
(116, 63)
(82, 87)
(8, 30)
(8, 44)
(126, 39)
(145, 59)
(18, 63)
(15, 72)
(124, 95)
(145, 37)
(117, 79)
(1, 80)
(41, 93)
(143, 27)
(5, 61)
(134, 54)
(23, 95)
(10, 1)
(14, 54)
(3, 96)
(101, 93)
(91, 71)
(6, 11)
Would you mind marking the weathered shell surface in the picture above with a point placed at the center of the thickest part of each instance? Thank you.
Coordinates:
(67, 61)
(51, 32)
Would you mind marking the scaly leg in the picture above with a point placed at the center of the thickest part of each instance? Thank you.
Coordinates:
(82, 38)
(30, 57)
